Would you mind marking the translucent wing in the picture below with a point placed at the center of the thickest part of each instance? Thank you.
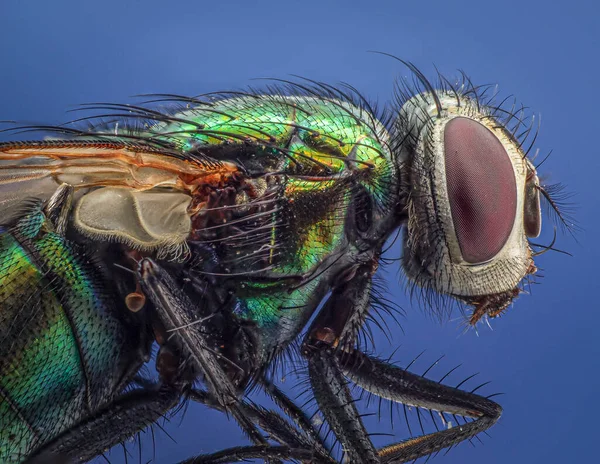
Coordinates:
(133, 193)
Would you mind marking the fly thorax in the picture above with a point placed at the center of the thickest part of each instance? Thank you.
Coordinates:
(468, 206)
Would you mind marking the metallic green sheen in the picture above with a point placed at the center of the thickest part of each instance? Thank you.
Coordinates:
(323, 143)
(325, 130)
(60, 344)
(323, 149)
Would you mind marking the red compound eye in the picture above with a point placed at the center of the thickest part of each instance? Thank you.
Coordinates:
(481, 188)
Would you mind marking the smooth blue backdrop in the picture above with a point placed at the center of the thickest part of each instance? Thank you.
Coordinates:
(544, 354)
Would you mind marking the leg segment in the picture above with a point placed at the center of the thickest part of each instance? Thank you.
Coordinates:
(280, 430)
(294, 412)
(186, 322)
(337, 405)
(332, 363)
(244, 453)
(118, 421)
(396, 384)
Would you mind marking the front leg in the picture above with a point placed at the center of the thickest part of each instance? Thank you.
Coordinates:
(333, 363)
(396, 384)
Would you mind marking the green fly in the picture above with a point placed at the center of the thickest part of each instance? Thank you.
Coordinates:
(215, 227)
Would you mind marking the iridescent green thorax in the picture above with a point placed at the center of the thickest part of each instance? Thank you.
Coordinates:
(317, 137)
(61, 349)
(321, 152)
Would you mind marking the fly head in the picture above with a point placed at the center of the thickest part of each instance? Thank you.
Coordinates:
(470, 194)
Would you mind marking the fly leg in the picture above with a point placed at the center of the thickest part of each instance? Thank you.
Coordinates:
(119, 420)
(333, 363)
(395, 384)
(294, 412)
(294, 443)
(186, 322)
(244, 453)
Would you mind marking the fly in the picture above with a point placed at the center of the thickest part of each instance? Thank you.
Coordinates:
(216, 226)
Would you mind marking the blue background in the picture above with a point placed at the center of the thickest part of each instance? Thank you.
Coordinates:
(544, 354)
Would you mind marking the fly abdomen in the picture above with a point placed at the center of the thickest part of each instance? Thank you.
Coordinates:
(61, 339)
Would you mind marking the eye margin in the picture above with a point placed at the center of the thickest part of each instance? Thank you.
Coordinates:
(532, 211)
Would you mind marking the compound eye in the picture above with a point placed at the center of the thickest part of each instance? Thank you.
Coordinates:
(481, 188)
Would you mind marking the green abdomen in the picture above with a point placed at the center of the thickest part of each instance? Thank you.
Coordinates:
(62, 346)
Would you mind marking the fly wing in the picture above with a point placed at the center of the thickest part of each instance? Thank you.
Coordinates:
(127, 192)
(95, 163)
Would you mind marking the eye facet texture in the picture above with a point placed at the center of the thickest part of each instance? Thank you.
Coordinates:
(481, 189)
